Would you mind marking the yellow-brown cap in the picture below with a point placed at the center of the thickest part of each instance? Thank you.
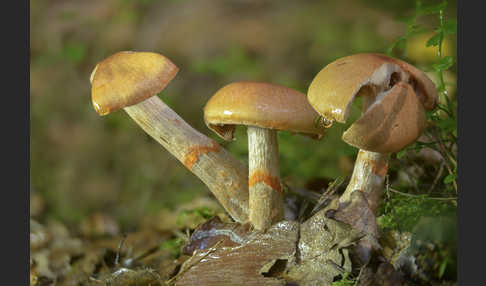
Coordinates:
(127, 78)
(397, 95)
(334, 88)
(263, 105)
(389, 124)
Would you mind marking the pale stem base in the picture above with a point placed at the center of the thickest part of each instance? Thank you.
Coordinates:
(265, 192)
(368, 176)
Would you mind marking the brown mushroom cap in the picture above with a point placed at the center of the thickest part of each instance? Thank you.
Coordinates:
(390, 124)
(396, 92)
(263, 105)
(334, 88)
(127, 78)
(423, 86)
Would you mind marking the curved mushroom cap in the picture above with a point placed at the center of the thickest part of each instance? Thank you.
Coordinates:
(127, 78)
(334, 88)
(397, 95)
(263, 105)
(389, 124)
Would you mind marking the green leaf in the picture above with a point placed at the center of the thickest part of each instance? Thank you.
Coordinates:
(449, 178)
(433, 41)
(443, 64)
(401, 153)
(447, 124)
(442, 268)
(449, 27)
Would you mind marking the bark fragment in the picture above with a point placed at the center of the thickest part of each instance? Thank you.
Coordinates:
(229, 254)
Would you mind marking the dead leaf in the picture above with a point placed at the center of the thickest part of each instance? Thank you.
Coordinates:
(322, 251)
(249, 258)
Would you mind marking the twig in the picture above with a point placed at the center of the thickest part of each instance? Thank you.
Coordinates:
(336, 266)
(147, 253)
(453, 182)
(448, 154)
(436, 180)
(306, 194)
(417, 196)
(359, 275)
(327, 195)
(117, 258)
(203, 255)
(388, 197)
(445, 150)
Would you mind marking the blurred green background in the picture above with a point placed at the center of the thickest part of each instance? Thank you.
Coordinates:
(81, 163)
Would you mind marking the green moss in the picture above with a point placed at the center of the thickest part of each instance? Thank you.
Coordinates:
(404, 212)
(346, 280)
(173, 246)
(203, 212)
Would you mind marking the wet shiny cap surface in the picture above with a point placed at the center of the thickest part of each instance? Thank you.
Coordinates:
(334, 88)
(127, 78)
(395, 97)
(263, 105)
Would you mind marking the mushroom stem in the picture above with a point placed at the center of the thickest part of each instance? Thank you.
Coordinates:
(265, 191)
(368, 176)
(225, 176)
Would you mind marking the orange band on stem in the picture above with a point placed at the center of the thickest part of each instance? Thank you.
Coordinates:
(379, 168)
(193, 154)
(262, 176)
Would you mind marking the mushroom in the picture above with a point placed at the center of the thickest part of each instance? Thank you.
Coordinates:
(395, 96)
(264, 108)
(131, 80)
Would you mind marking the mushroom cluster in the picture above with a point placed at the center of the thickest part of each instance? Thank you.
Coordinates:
(394, 94)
